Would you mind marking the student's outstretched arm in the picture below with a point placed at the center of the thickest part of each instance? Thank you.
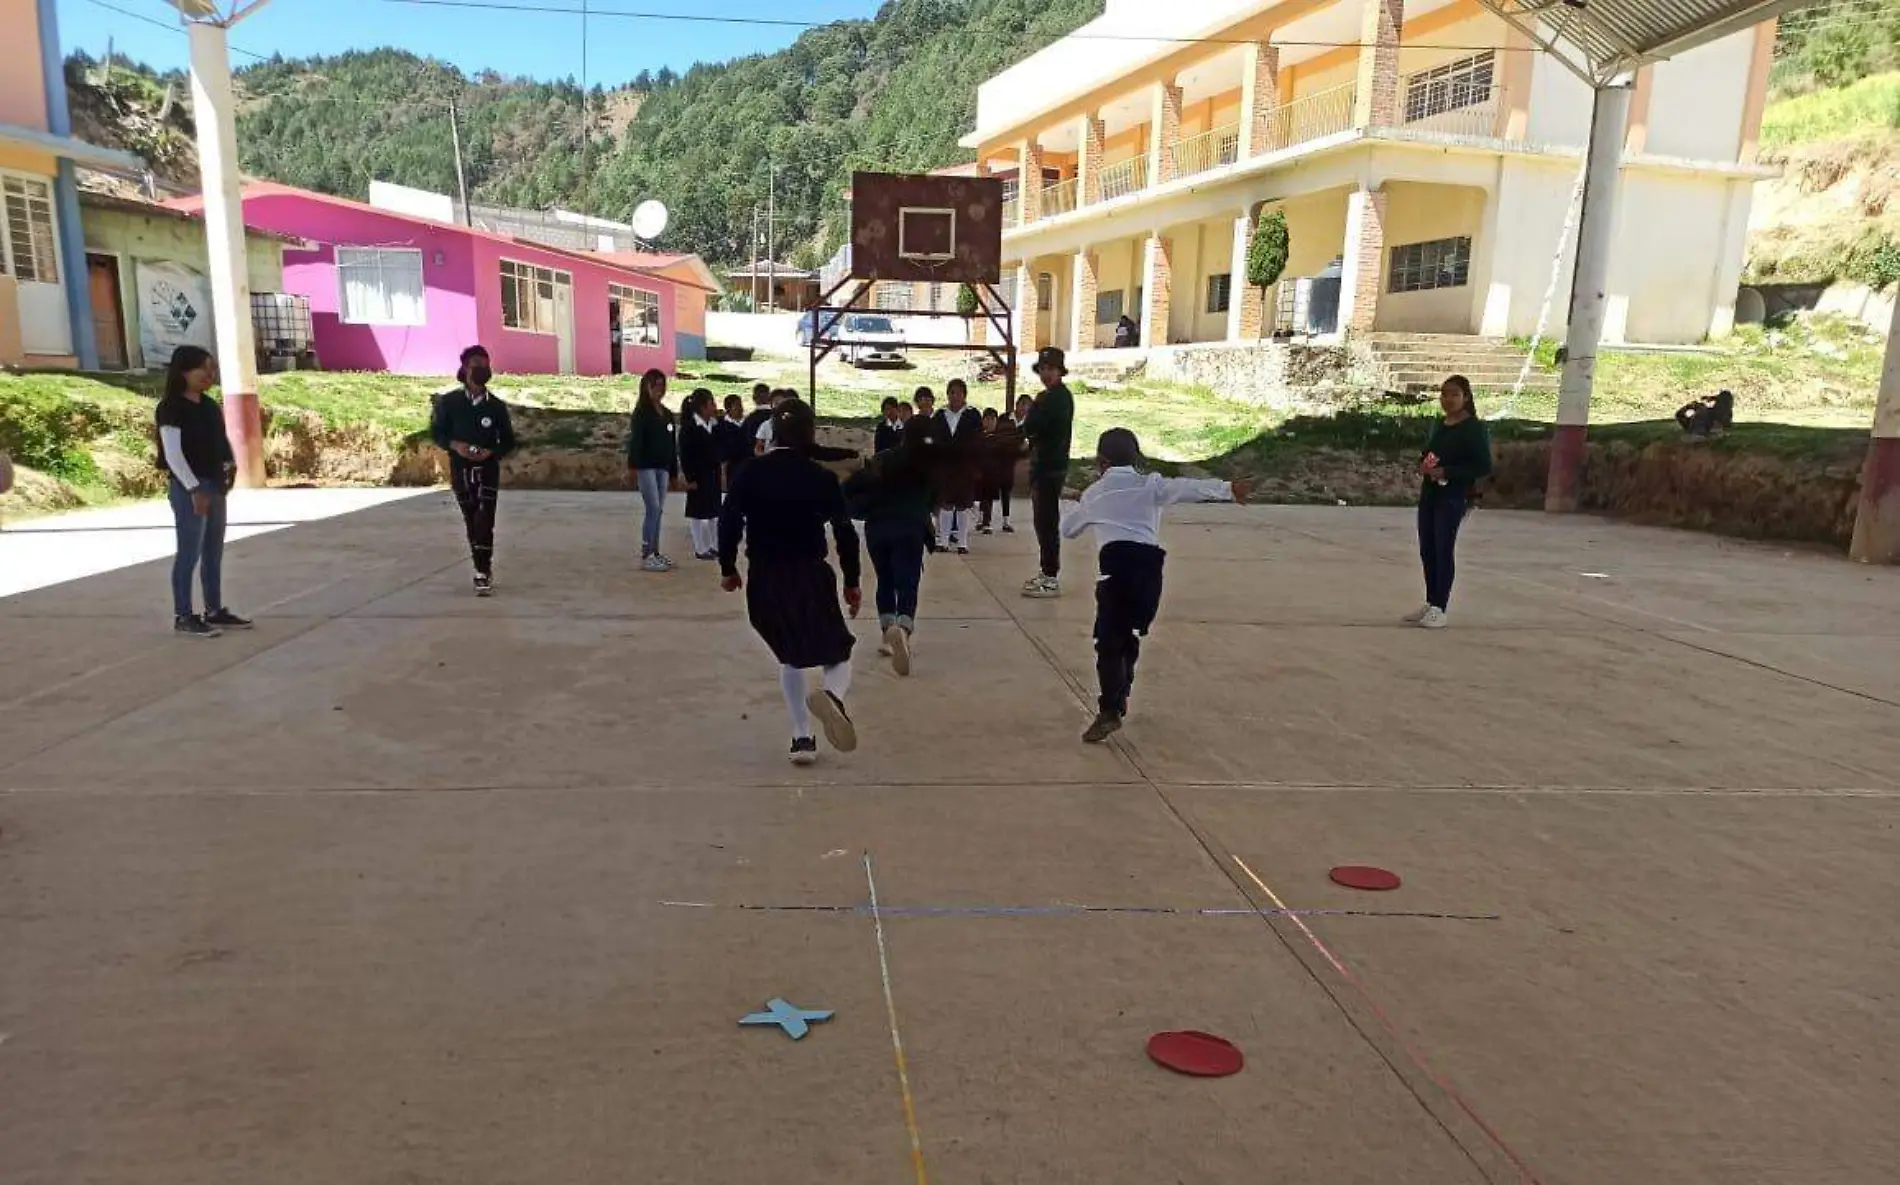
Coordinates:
(1078, 520)
(1170, 490)
(846, 536)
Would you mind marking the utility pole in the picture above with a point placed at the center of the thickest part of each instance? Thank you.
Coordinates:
(771, 236)
(461, 178)
(753, 279)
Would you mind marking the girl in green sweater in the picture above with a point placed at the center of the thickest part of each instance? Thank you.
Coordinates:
(1456, 458)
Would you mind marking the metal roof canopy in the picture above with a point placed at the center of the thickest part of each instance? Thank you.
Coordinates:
(1605, 41)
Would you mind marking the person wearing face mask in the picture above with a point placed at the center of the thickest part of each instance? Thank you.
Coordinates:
(471, 424)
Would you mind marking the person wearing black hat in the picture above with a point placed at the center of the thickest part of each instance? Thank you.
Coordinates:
(1124, 507)
(1049, 430)
(471, 424)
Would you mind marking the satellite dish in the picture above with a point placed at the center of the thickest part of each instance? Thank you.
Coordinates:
(649, 219)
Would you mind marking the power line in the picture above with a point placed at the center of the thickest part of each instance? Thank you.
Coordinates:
(168, 26)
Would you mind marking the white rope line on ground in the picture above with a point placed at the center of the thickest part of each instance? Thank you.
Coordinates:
(1550, 289)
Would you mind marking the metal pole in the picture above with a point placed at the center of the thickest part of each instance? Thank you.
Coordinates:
(83, 337)
(1589, 283)
(216, 116)
(771, 237)
(461, 178)
(1877, 518)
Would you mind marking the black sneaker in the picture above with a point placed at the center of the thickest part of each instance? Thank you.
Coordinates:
(1106, 725)
(804, 750)
(1008, 530)
(193, 626)
(984, 529)
(484, 584)
(829, 709)
(224, 619)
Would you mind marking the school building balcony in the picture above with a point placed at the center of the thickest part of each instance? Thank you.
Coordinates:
(1424, 153)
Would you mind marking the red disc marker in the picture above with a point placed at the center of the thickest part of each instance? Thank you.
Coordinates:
(1364, 876)
(1201, 1054)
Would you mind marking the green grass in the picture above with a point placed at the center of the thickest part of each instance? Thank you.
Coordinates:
(1868, 107)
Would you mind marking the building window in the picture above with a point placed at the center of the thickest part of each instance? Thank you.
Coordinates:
(379, 286)
(1108, 307)
(639, 314)
(1045, 291)
(893, 297)
(1441, 263)
(1220, 292)
(1454, 85)
(29, 251)
(527, 296)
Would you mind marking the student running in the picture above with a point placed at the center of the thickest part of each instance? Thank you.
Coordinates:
(894, 495)
(1124, 508)
(471, 424)
(780, 507)
(196, 455)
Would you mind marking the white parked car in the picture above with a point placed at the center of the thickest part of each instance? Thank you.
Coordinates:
(880, 343)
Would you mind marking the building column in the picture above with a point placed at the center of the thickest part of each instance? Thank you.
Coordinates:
(1375, 103)
(1259, 98)
(1028, 182)
(1027, 308)
(1589, 295)
(1362, 257)
(1088, 161)
(1164, 125)
(1157, 282)
(215, 112)
(80, 335)
(1877, 518)
(1514, 85)
(1246, 306)
(1085, 283)
(1755, 100)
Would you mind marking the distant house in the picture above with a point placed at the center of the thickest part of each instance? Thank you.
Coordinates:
(698, 287)
(791, 289)
(146, 266)
(391, 291)
(45, 307)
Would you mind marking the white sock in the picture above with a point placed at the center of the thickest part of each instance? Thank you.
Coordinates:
(946, 526)
(838, 679)
(709, 534)
(791, 681)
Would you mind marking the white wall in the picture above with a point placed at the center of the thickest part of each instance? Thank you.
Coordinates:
(1560, 105)
(1526, 219)
(1696, 100)
(768, 333)
(1672, 235)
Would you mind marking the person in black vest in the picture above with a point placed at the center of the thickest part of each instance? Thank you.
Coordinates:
(196, 453)
(471, 424)
(962, 431)
(780, 508)
(890, 429)
(699, 469)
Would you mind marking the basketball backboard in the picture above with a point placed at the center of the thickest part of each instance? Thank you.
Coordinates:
(920, 226)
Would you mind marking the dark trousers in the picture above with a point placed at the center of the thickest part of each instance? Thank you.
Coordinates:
(1127, 597)
(475, 488)
(1440, 511)
(1045, 498)
(898, 561)
(998, 491)
(200, 548)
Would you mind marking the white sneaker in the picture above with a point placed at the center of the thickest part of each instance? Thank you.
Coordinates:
(1417, 615)
(1043, 587)
(1434, 618)
(656, 563)
(897, 644)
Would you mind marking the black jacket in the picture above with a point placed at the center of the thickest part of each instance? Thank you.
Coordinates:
(698, 453)
(888, 435)
(650, 443)
(780, 506)
(1050, 427)
(731, 441)
(460, 419)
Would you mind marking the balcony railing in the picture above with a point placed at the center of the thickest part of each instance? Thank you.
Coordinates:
(1011, 212)
(1209, 150)
(1124, 177)
(1464, 112)
(1058, 198)
(1321, 113)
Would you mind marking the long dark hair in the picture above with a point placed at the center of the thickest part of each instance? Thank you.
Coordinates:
(1464, 388)
(794, 426)
(184, 360)
(652, 376)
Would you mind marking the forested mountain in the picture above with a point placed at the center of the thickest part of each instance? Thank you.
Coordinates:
(891, 92)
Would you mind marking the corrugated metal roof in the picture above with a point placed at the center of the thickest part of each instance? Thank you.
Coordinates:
(1604, 39)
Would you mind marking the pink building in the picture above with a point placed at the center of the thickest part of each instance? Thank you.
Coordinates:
(393, 292)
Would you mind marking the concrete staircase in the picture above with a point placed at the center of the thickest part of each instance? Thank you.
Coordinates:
(1416, 363)
(1096, 368)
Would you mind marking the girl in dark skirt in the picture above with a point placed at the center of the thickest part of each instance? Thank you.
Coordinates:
(780, 505)
(699, 469)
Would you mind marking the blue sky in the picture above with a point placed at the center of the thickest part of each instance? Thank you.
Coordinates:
(535, 44)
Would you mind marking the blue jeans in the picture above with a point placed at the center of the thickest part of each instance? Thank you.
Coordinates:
(898, 560)
(653, 483)
(200, 546)
(1440, 511)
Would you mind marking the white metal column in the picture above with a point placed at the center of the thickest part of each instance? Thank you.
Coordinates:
(216, 116)
(1877, 518)
(1589, 285)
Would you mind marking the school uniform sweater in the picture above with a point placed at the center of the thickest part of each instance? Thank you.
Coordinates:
(780, 504)
(1050, 428)
(484, 423)
(889, 434)
(699, 464)
(650, 443)
(1464, 453)
(892, 504)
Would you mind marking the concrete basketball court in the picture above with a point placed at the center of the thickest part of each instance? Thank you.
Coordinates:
(409, 887)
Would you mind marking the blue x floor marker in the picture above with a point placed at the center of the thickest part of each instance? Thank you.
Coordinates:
(795, 1021)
